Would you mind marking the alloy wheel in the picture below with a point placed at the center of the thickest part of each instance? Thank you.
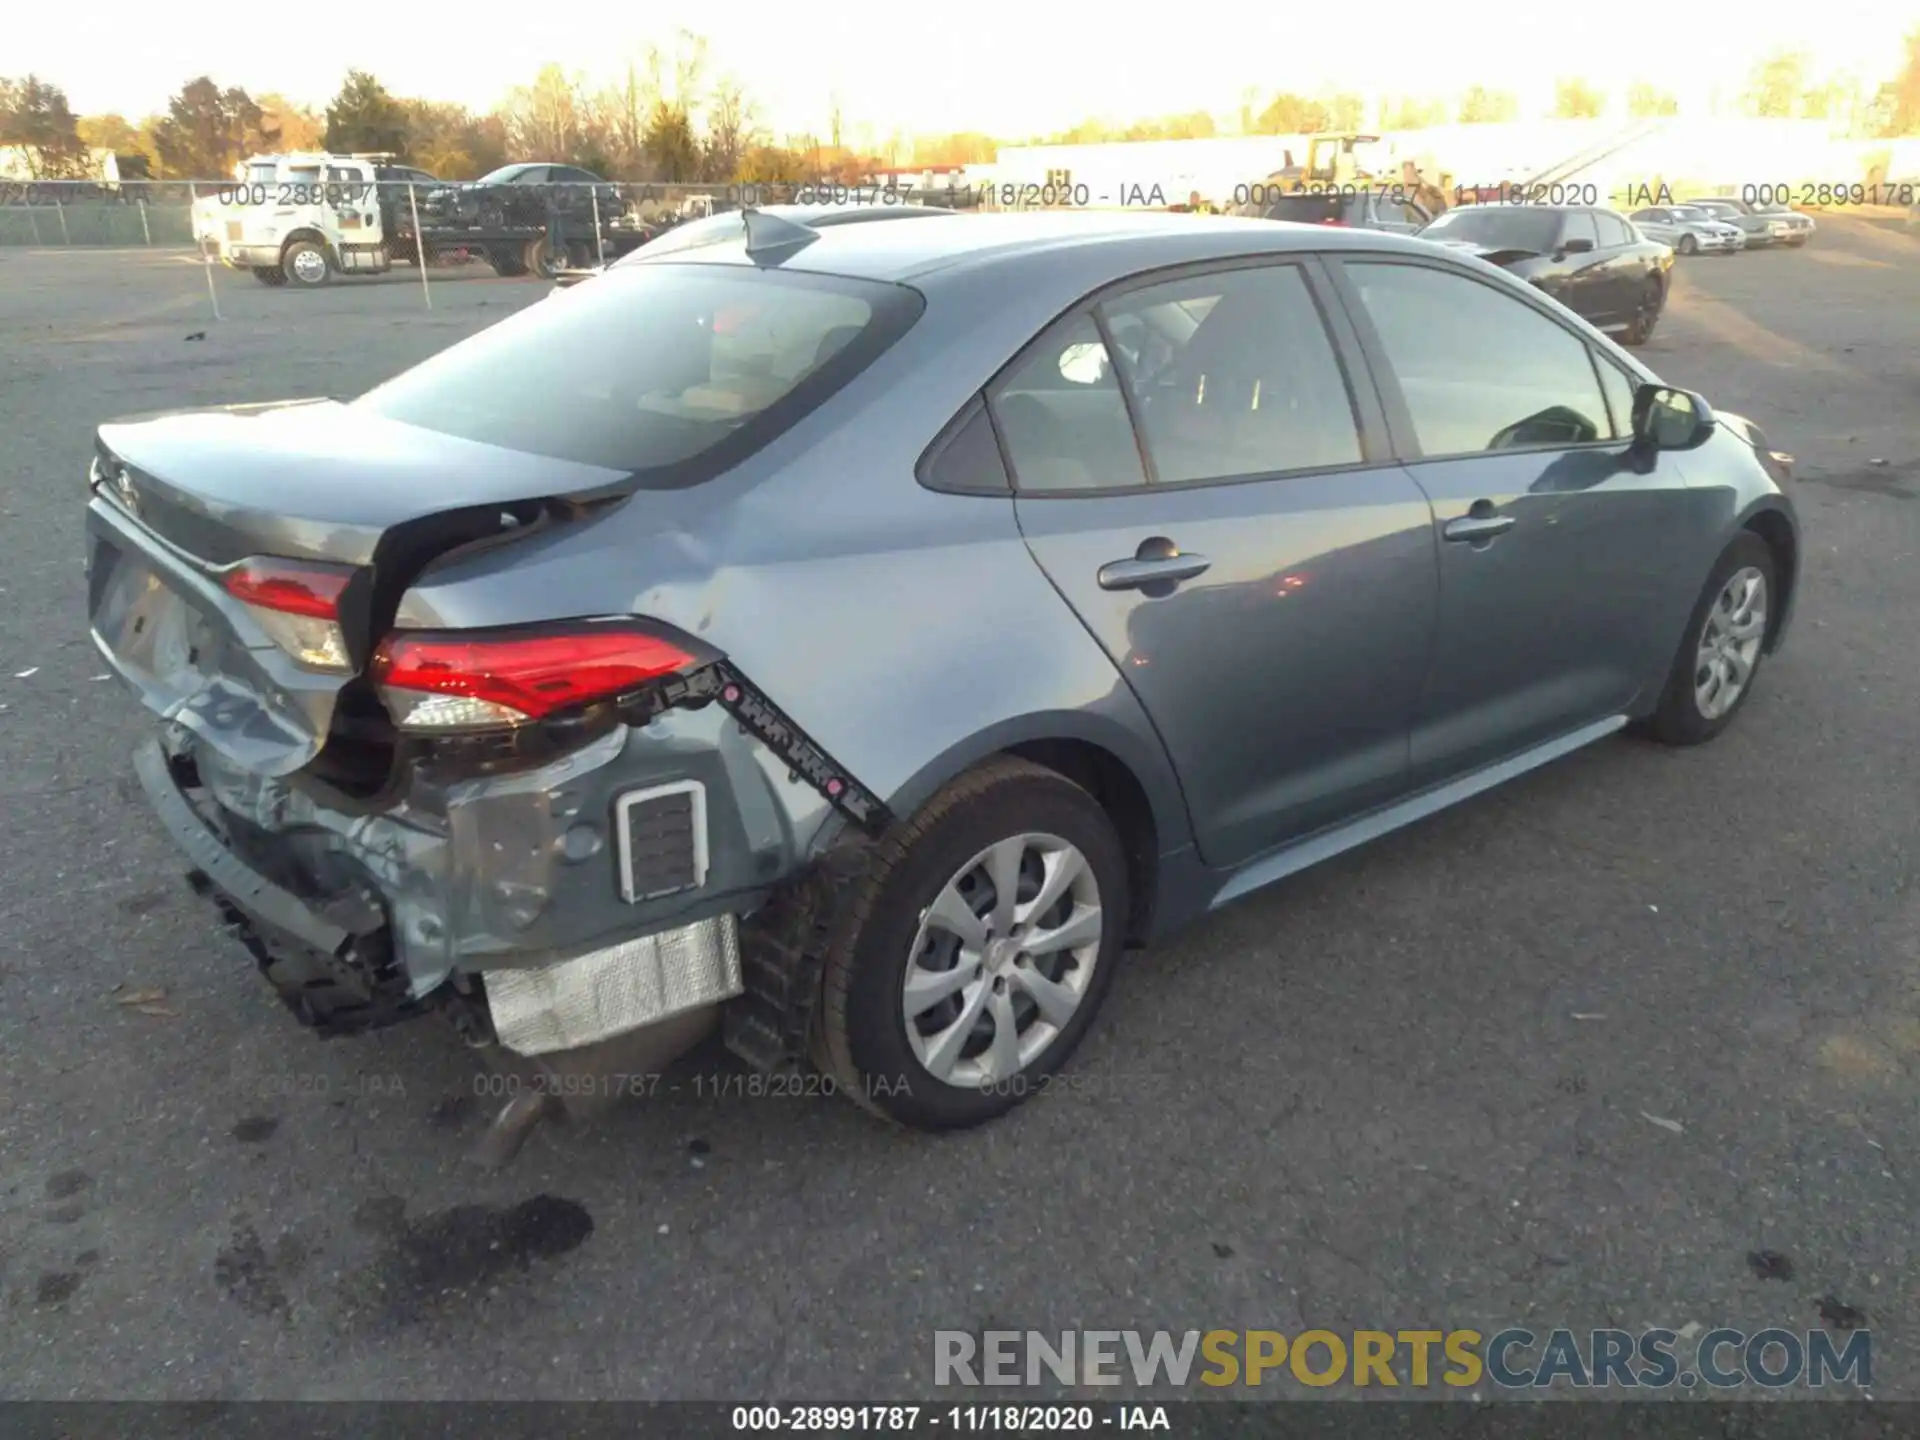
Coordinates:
(1730, 643)
(1002, 960)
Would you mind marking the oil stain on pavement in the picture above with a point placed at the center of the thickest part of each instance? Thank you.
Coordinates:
(451, 1253)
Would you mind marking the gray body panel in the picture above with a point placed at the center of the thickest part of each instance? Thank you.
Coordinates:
(912, 633)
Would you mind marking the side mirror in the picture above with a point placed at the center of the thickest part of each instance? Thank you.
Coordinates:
(1576, 247)
(1666, 418)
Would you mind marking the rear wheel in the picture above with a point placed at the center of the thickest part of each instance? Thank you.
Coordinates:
(1720, 654)
(1646, 314)
(976, 950)
(505, 262)
(305, 263)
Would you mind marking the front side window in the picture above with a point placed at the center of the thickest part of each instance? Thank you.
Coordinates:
(1579, 225)
(1479, 370)
(1232, 375)
(672, 372)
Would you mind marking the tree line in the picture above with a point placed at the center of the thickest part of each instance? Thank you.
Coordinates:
(668, 117)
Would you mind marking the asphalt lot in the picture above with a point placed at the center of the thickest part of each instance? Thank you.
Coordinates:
(1411, 1088)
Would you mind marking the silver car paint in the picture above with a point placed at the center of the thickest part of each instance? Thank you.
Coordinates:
(912, 633)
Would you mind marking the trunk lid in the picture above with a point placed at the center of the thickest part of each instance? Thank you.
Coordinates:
(181, 498)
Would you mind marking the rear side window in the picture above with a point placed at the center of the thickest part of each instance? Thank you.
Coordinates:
(1479, 370)
(1062, 416)
(965, 460)
(670, 372)
(1613, 229)
(1232, 375)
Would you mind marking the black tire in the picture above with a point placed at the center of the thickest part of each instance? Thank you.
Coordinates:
(538, 258)
(1646, 314)
(862, 1040)
(298, 267)
(269, 276)
(1678, 720)
(1687, 245)
(506, 263)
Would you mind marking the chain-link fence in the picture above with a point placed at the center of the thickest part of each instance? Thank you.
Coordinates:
(186, 212)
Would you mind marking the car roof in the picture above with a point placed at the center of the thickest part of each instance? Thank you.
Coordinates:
(1126, 241)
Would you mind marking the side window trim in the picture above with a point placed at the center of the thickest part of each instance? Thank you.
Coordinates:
(1407, 448)
(1098, 311)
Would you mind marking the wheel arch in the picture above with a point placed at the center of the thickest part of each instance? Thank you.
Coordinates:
(307, 232)
(1782, 538)
(1127, 773)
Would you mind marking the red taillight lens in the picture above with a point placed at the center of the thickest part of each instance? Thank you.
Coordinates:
(290, 587)
(298, 605)
(437, 680)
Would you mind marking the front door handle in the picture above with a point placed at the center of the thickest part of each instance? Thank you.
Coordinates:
(1157, 562)
(1478, 527)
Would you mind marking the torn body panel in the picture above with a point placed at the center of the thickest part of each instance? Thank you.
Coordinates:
(522, 869)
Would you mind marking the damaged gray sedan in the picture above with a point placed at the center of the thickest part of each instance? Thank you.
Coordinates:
(854, 639)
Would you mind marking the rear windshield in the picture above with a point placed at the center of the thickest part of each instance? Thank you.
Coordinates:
(672, 372)
(1500, 227)
(1308, 209)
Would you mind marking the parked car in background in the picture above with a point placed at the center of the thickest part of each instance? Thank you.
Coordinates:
(525, 194)
(858, 638)
(1688, 230)
(1800, 226)
(1760, 231)
(1366, 210)
(1589, 259)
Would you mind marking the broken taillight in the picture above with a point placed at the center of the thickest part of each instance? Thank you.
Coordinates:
(461, 680)
(298, 604)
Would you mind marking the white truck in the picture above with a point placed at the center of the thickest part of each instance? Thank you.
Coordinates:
(301, 219)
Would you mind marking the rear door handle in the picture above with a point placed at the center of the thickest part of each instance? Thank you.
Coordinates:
(1478, 527)
(1149, 569)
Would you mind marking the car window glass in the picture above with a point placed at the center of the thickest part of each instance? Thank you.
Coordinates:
(1412, 214)
(967, 458)
(1613, 229)
(1254, 388)
(662, 370)
(1062, 416)
(1619, 388)
(1578, 225)
(1480, 370)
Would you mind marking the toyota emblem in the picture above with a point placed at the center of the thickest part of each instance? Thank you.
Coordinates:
(124, 491)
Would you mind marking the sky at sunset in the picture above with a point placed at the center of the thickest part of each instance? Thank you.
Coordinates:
(996, 66)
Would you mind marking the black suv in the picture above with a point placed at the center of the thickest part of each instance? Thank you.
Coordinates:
(1590, 259)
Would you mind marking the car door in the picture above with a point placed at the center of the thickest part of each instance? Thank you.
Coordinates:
(1565, 553)
(1205, 487)
(1584, 287)
(1619, 265)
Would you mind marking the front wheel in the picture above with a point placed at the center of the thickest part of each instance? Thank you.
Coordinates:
(976, 949)
(305, 263)
(1720, 654)
(1687, 245)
